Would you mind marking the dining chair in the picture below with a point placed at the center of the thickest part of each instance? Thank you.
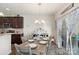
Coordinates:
(22, 50)
(45, 51)
(24, 39)
(32, 51)
(25, 50)
(17, 49)
(49, 44)
(61, 51)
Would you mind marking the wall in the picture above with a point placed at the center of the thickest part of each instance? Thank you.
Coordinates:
(30, 26)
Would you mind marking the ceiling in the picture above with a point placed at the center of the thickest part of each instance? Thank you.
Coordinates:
(31, 8)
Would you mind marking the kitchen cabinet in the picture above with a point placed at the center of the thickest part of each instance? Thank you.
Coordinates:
(14, 22)
(16, 38)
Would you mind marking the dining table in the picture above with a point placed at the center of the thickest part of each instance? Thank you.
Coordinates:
(40, 47)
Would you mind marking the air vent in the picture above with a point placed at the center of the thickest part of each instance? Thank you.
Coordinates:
(68, 8)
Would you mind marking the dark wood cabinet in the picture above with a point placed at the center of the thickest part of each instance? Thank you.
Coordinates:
(15, 22)
(16, 38)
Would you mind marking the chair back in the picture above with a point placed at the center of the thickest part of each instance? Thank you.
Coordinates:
(24, 49)
(24, 39)
(21, 49)
(17, 48)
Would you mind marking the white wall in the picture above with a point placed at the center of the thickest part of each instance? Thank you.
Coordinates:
(29, 24)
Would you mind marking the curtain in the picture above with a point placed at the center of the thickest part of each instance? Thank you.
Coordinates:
(72, 29)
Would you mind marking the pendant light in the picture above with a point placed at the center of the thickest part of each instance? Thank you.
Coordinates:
(39, 20)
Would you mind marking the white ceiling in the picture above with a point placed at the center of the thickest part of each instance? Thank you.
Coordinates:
(31, 8)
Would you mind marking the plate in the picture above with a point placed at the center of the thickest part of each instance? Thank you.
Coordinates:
(45, 39)
(43, 42)
(33, 45)
(31, 40)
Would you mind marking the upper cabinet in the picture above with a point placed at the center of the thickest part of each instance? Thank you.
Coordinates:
(11, 22)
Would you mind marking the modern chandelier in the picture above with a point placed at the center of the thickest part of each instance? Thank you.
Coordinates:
(39, 21)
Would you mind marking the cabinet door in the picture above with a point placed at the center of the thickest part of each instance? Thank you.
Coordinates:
(17, 22)
(1, 22)
(5, 19)
(13, 21)
(10, 21)
(16, 38)
(20, 22)
(6, 22)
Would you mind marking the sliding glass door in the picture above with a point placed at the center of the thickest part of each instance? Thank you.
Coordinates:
(68, 32)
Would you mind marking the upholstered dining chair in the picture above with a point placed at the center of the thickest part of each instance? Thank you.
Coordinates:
(21, 50)
(49, 44)
(32, 49)
(24, 39)
(17, 49)
(35, 50)
(24, 50)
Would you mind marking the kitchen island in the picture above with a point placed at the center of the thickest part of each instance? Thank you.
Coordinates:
(5, 44)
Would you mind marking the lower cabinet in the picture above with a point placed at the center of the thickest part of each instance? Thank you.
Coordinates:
(16, 38)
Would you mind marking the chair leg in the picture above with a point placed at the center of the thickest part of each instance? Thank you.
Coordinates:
(30, 51)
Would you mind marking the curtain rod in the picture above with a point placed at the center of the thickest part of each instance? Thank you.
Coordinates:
(69, 11)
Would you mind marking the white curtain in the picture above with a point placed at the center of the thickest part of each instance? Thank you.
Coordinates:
(72, 23)
(59, 27)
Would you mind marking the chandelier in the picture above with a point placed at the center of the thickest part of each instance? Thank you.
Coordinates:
(39, 21)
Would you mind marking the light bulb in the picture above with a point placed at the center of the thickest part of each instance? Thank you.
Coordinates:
(36, 21)
(43, 21)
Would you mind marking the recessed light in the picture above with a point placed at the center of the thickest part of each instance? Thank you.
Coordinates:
(7, 9)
